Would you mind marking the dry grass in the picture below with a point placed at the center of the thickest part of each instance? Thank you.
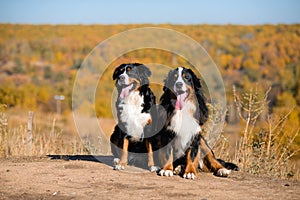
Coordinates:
(51, 134)
(265, 145)
(48, 140)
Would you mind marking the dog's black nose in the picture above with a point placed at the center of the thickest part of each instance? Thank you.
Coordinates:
(179, 85)
(121, 77)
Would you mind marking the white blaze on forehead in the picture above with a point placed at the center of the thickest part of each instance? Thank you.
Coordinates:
(180, 74)
(126, 80)
(180, 79)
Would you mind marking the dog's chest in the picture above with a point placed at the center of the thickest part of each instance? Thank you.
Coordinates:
(131, 114)
(185, 127)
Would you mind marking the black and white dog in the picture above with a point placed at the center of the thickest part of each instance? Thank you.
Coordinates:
(185, 111)
(135, 112)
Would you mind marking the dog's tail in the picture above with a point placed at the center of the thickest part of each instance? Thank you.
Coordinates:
(228, 165)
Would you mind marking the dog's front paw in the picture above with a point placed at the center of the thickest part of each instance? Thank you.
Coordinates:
(118, 165)
(154, 168)
(178, 170)
(190, 171)
(116, 161)
(189, 176)
(223, 172)
(166, 172)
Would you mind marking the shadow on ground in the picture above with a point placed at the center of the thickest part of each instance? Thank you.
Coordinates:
(135, 167)
(107, 160)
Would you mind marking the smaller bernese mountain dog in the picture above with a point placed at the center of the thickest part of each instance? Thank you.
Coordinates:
(135, 110)
(184, 112)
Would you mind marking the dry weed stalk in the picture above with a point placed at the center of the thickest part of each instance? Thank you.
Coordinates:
(264, 147)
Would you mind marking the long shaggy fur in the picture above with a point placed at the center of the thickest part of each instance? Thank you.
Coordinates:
(184, 112)
(135, 110)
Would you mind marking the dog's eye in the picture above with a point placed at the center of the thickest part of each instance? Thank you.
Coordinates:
(185, 76)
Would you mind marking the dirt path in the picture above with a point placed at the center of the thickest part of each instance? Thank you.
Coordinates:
(90, 179)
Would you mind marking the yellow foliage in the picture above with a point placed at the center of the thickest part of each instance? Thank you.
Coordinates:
(59, 57)
(225, 59)
(286, 100)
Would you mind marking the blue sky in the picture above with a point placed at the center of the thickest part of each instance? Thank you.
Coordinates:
(154, 11)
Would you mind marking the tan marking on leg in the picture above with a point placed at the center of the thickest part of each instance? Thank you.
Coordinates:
(150, 154)
(169, 162)
(168, 167)
(191, 166)
(124, 156)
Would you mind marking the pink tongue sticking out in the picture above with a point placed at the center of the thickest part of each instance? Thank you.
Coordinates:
(180, 101)
(125, 91)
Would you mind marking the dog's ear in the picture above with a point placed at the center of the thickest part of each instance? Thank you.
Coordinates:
(117, 71)
(143, 73)
(196, 80)
(167, 83)
(143, 70)
(203, 109)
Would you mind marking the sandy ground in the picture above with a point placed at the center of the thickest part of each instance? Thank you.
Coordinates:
(93, 178)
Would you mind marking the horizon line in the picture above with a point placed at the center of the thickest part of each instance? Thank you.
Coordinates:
(154, 24)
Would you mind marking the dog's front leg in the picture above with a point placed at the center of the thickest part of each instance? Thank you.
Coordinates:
(167, 170)
(192, 159)
(150, 155)
(151, 165)
(124, 157)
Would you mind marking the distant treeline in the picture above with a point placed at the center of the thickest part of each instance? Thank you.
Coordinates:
(38, 62)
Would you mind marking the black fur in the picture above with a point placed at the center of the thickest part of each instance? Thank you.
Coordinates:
(229, 165)
(141, 73)
(166, 112)
(203, 110)
(168, 99)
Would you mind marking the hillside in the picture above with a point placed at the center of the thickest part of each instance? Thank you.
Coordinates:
(39, 62)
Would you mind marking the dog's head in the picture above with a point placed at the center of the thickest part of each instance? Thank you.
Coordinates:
(184, 85)
(130, 77)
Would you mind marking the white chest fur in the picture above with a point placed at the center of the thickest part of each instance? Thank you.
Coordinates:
(132, 116)
(185, 126)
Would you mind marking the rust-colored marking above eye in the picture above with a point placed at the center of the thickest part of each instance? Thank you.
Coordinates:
(184, 75)
(128, 69)
(175, 75)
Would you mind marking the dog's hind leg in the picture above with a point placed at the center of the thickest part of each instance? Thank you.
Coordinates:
(210, 163)
(229, 165)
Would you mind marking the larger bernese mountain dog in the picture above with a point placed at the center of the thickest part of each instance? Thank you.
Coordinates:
(184, 111)
(135, 107)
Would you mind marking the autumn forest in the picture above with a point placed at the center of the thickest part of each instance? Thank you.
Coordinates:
(38, 62)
